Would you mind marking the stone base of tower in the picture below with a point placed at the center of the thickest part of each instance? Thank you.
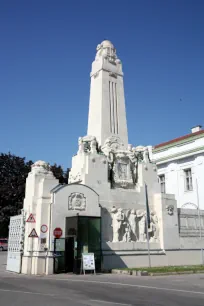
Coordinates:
(37, 265)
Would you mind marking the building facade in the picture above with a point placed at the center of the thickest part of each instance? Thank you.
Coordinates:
(180, 167)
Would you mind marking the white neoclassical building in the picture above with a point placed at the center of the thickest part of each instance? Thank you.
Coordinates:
(180, 166)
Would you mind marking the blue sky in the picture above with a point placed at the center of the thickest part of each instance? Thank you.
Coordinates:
(46, 51)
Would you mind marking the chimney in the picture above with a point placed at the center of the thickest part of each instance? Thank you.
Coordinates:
(196, 128)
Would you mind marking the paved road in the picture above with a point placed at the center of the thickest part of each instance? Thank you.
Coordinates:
(3, 257)
(100, 290)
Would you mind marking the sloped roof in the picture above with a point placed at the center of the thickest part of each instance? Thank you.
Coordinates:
(185, 137)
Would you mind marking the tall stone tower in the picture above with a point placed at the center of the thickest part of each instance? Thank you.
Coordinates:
(107, 115)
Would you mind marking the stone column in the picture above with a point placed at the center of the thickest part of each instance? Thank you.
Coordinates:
(37, 202)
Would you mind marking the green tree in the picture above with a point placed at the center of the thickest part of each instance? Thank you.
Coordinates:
(13, 173)
(60, 174)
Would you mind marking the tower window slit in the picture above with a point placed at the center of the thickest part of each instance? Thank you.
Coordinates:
(113, 107)
(116, 108)
(110, 106)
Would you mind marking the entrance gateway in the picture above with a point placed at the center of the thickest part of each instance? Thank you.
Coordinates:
(83, 235)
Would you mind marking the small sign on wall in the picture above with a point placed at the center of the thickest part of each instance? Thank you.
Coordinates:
(57, 232)
(43, 228)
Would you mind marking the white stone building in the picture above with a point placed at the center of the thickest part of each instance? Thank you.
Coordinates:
(180, 164)
(103, 209)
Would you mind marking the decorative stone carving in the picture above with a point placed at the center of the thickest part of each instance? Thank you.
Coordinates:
(113, 75)
(112, 144)
(142, 224)
(132, 219)
(81, 145)
(170, 210)
(123, 164)
(77, 201)
(146, 158)
(41, 166)
(117, 221)
(73, 178)
(93, 145)
(131, 226)
(87, 144)
(106, 51)
(122, 172)
(127, 235)
(153, 230)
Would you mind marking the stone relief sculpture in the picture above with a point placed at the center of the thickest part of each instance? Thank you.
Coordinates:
(93, 145)
(153, 231)
(141, 215)
(77, 201)
(127, 234)
(81, 145)
(41, 166)
(131, 225)
(73, 178)
(87, 144)
(170, 210)
(146, 158)
(117, 221)
(106, 50)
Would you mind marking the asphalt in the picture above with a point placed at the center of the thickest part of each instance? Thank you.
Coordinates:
(99, 290)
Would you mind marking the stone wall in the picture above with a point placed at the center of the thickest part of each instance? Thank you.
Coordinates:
(189, 228)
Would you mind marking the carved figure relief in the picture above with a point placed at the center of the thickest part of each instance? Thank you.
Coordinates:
(106, 51)
(117, 221)
(122, 171)
(141, 215)
(77, 201)
(93, 145)
(131, 225)
(146, 158)
(170, 210)
(127, 234)
(112, 144)
(123, 164)
(81, 145)
(87, 144)
(153, 230)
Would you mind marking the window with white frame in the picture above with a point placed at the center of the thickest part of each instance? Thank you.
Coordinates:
(162, 183)
(188, 179)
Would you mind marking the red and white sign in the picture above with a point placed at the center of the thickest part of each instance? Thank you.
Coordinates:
(57, 232)
(31, 219)
(44, 228)
(33, 234)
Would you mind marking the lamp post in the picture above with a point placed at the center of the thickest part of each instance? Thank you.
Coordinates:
(147, 224)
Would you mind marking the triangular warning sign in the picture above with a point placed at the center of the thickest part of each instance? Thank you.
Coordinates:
(31, 219)
(33, 234)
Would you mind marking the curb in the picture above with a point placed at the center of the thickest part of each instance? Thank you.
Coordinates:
(145, 273)
(130, 272)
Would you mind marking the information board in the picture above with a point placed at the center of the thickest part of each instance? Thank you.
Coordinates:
(88, 262)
